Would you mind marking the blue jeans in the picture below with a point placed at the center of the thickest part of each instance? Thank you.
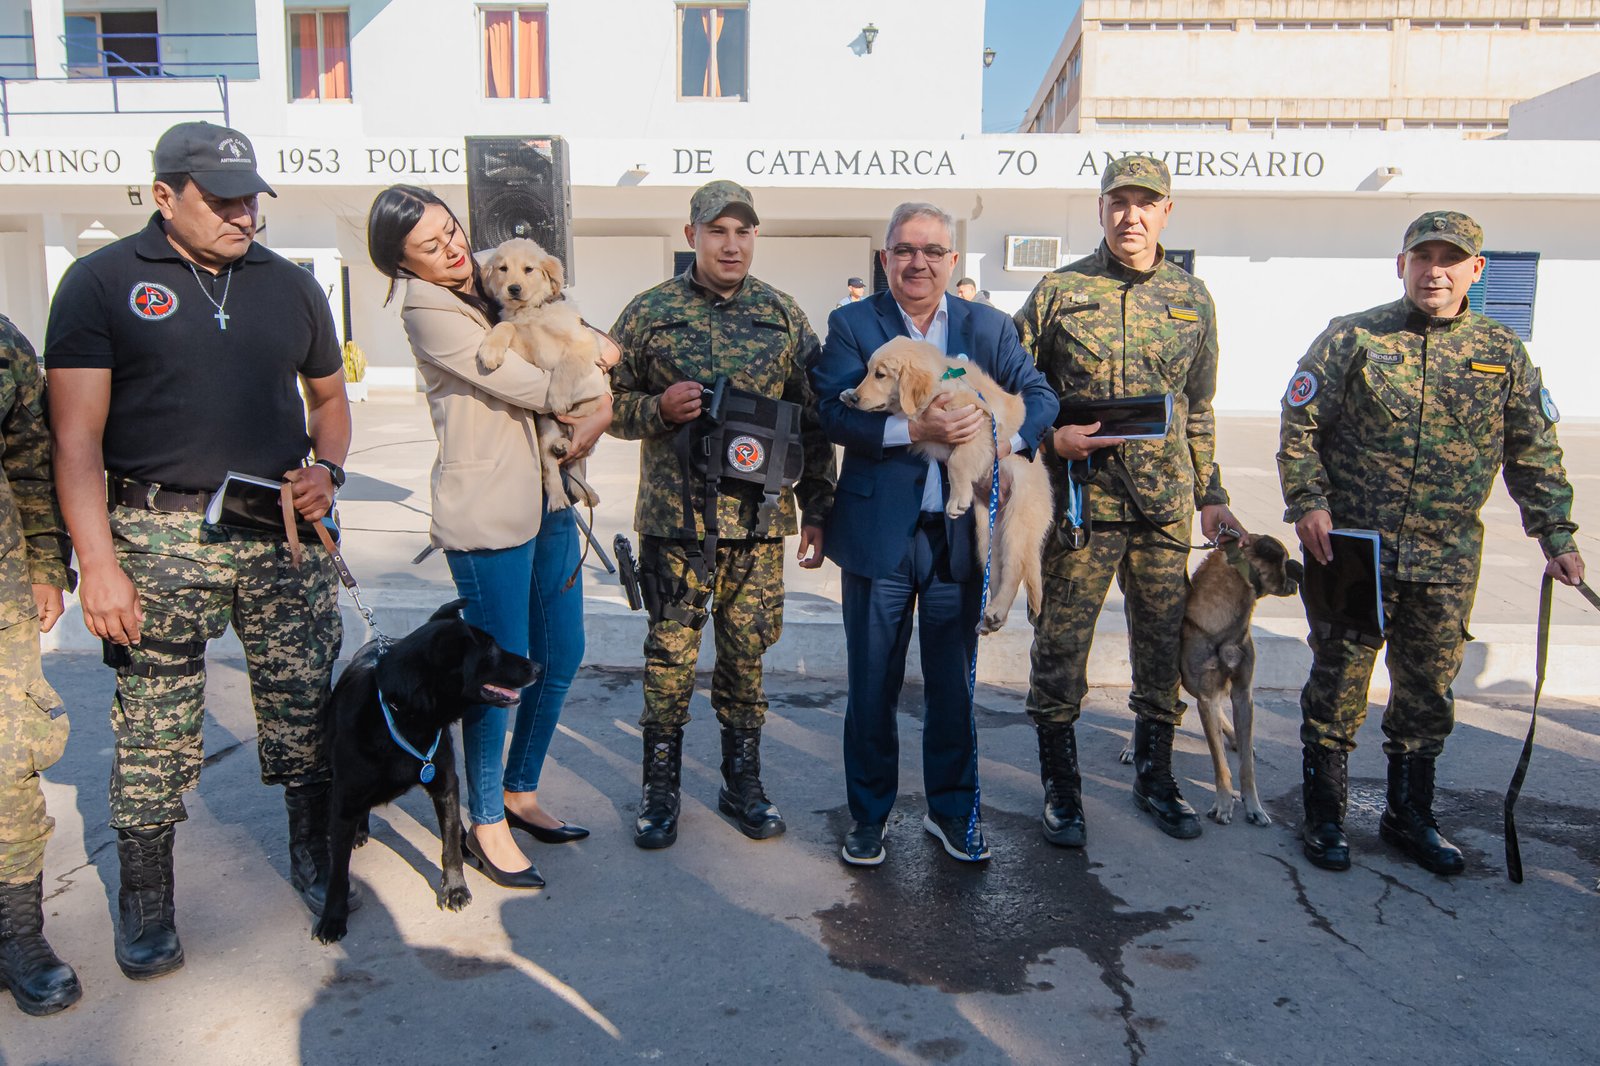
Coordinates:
(516, 595)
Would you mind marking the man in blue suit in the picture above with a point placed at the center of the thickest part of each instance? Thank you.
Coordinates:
(897, 550)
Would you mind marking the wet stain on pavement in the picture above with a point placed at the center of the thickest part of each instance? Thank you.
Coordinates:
(923, 919)
(1563, 825)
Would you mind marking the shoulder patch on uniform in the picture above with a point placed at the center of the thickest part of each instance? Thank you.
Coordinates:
(1488, 368)
(1548, 408)
(1302, 387)
(152, 301)
(1387, 358)
(1183, 314)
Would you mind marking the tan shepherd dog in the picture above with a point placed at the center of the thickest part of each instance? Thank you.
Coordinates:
(546, 331)
(906, 376)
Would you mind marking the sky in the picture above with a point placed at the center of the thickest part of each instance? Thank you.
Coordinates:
(1025, 35)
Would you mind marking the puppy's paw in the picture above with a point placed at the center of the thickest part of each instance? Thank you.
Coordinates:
(557, 501)
(330, 930)
(560, 448)
(1254, 814)
(1221, 811)
(957, 507)
(492, 355)
(587, 496)
(993, 622)
(454, 897)
(1126, 758)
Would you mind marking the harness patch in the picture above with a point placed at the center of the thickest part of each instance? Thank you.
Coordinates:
(1183, 314)
(1488, 368)
(151, 301)
(745, 453)
(1302, 387)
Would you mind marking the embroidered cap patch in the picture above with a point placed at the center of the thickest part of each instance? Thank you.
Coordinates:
(1302, 387)
(151, 301)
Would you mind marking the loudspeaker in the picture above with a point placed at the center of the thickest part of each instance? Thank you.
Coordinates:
(520, 187)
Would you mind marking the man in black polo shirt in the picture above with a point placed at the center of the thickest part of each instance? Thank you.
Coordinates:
(173, 357)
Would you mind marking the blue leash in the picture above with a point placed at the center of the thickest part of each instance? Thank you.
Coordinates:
(426, 774)
(971, 842)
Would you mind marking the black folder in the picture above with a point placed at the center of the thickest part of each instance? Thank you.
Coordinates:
(1129, 417)
(244, 501)
(1347, 594)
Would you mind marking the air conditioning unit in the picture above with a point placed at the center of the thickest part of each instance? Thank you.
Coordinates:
(1033, 253)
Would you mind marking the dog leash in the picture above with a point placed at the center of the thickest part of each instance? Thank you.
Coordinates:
(291, 531)
(1513, 847)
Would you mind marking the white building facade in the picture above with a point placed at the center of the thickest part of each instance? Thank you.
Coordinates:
(830, 112)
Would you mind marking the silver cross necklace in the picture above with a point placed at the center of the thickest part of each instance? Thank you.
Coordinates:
(221, 316)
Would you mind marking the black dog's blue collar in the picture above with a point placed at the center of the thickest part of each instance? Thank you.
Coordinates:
(425, 775)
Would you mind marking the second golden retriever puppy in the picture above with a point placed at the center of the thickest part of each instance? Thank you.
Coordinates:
(547, 331)
(907, 376)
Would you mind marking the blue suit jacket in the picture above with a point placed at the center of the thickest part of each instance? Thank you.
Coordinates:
(874, 517)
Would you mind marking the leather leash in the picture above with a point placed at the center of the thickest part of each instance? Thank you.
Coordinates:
(1513, 848)
(346, 578)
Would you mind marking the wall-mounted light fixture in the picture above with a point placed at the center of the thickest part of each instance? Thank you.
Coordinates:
(988, 58)
(135, 196)
(869, 33)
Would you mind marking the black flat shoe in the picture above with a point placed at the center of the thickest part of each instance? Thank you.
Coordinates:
(474, 858)
(562, 834)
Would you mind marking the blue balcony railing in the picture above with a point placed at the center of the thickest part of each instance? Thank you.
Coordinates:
(138, 55)
(114, 104)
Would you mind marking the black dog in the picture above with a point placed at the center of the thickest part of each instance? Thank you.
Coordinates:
(426, 681)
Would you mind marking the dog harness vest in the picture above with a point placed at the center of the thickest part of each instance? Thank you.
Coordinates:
(426, 774)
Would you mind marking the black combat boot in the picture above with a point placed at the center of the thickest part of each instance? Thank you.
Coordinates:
(657, 824)
(308, 844)
(39, 981)
(1408, 821)
(1324, 789)
(1154, 788)
(742, 797)
(1063, 789)
(147, 934)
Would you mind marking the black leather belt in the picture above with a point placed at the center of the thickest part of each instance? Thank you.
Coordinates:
(125, 492)
(930, 518)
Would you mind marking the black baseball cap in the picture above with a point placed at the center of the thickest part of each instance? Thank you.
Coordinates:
(854, 283)
(220, 160)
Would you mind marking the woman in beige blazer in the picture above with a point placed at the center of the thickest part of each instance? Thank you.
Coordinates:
(510, 558)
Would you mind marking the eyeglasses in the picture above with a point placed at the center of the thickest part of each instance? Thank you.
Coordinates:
(930, 252)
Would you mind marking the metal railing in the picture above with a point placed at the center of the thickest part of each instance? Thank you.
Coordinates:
(109, 63)
(7, 113)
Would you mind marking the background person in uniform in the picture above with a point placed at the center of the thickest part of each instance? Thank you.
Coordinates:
(510, 558)
(855, 289)
(173, 357)
(714, 318)
(967, 289)
(1124, 322)
(1397, 420)
(33, 730)
(899, 554)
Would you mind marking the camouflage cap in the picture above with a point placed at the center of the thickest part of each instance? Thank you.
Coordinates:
(1450, 226)
(1139, 170)
(717, 198)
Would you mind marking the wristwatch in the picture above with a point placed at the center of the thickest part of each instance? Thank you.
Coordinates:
(334, 470)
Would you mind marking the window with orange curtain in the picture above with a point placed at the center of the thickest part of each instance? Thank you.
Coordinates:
(319, 55)
(516, 53)
(713, 51)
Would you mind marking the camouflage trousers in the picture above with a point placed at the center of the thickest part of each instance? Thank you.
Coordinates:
(193, 580)
(33, 734)
(1427, 635)
(1153, 575)
(747, 607)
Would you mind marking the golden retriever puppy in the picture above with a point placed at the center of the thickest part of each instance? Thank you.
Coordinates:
(907, 376)
(546, 331)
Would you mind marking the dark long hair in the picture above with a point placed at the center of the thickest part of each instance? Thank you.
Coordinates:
(395, 213)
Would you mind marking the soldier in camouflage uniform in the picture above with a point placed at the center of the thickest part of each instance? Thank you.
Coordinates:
(1397, 420)
(714, 319)
(33, 730)
(1124, 322)
(154, 399)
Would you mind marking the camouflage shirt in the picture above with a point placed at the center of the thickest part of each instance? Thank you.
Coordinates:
(681, 331)
(1098, 330)
(1397, 422)
(33, 538)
